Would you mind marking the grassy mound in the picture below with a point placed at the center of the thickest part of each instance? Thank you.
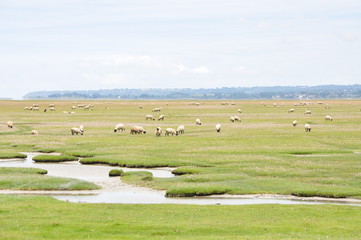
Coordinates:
(11, 155)
(54, 158)
(116, 172)
(34, 179)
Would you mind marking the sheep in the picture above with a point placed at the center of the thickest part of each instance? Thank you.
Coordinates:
(237, 118)
(156, 109)
(73, 107)
(232, 119)
(161, 117)
(65, 112)
(218, 127)
(52, 109)
(275, 104)
(10, 124)
(72, 113)
(239, 110)
(81, 128)
(180, 129)
(81, 105)
(140, 106)
(35, 108)
(26, 108)
(291, 110)
(308, 112)
(76, 131)
(233, 103)
(35, 105)
(51, 105)
(197, 104)
(307, 127)
(171, 131)
(137, 130)
(158, 131)
(198, 121)
(328, 118)
(148, 116)
(294, 123)
(119, 127)
(34, 132)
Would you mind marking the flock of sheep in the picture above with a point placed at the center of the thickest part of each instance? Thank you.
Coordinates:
(158, 132)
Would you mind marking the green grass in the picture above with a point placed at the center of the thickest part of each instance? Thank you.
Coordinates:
(54, 158)
(34, 179)
(45, 218)
(8, 155)
(262, 154)
(115, 172)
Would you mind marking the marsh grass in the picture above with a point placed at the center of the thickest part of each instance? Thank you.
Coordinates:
(262, 154)
(54, 158)
(34, 179)
(9, 155)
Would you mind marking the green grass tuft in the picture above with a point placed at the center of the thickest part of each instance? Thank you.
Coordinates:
(116, 172)
(54, 158)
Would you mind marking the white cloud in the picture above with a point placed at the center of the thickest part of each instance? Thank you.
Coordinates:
(200, 70)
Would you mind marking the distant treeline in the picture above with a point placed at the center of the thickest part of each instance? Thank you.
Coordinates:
(276, 92)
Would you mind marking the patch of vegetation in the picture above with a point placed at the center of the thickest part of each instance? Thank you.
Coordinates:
(54, 158)
(190, 191)
(137, 176)
(9, 155)
(34, 179)
(116, 172)
(186, 170)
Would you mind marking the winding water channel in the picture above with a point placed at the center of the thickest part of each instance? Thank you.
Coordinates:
(115, 191)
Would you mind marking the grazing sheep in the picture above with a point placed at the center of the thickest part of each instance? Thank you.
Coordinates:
(328, 118)
(239, 110)
(232, 119)
(148, 116)
(35, 108)
(65, 112)
(137, 130)
(308, 112)
(218, 127)
(180, 129)
(76, 131)
(197, 104)
(140, 106)
(35, 105)
(233, 103)
(26, 108)
(156, 109)
(294, 123)
(291, 110)
(237, 118)
(51, 105)
(10, 124)
(275, 104)
(34, 132)
(119, 127)
(307, 127)
(158, 131)
(161, 117)
(73, 107)
(72, 112)
(81, 128)
(52, 109)
(198, 121)
(171, 131)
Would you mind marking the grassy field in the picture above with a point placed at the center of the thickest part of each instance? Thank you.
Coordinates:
(261, 154)
(46, 218)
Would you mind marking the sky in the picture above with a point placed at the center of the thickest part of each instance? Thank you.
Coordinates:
(106, 44)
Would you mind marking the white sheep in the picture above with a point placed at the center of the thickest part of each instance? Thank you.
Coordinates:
(10, 124)
(239, 110)
(308, 112)
(198, 121)
(171, 131)
(294, 123)
(76, 131)
(73, 107)
(156, 109)
(232, 119)
(51, 105)
(180, 129)
(237, 118)
(328, 118)
(81, 128)
(161, 117)
(291, 110)
(158, 131)
(34, 132)
(119, 127)
(218, 127)
(65, 112)
(307, 127)
(148, 116)
(137, 130)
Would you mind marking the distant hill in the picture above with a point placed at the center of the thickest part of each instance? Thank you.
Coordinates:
(242, 93)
